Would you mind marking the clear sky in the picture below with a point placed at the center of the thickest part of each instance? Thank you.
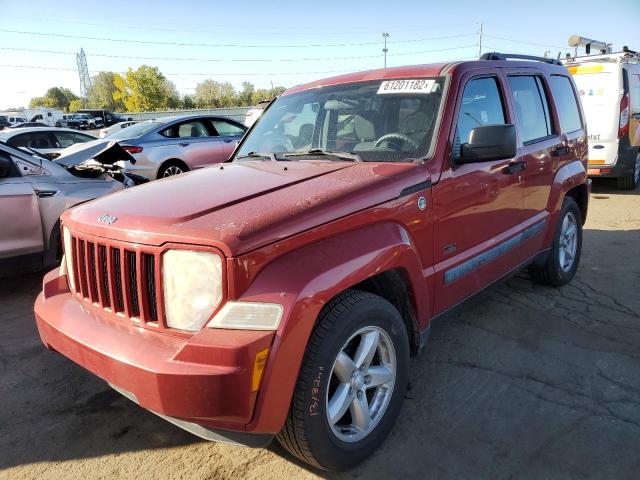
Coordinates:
(283, 42)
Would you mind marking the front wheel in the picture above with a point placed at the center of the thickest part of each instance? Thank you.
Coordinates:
(351, 383)
(564, 257)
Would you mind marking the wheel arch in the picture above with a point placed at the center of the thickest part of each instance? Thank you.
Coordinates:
(570, 179)
(172, 161)
(379, 259)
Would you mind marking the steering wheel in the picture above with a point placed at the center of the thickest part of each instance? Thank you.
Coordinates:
(396, 136)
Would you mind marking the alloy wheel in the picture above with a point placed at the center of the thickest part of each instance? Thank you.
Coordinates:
(568, 242)
(361, 384)
(172, 170)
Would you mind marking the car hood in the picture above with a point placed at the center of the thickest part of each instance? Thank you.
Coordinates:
(241, 206)
(103, 151)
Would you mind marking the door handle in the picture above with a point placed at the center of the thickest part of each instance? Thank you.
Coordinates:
(515, 167)
(228, 140)
(184, 144)
(560, 151)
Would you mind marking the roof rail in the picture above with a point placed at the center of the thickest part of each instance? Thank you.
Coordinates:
(507, 56)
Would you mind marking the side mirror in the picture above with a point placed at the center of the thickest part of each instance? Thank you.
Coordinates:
(489, 142)
(5, 167)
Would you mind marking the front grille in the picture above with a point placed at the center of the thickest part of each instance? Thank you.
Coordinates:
(118, 277)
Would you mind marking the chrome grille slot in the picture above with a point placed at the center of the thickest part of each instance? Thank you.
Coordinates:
(119, 278)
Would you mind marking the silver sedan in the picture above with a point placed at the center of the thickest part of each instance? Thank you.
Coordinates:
(172, 145)
(35, 191)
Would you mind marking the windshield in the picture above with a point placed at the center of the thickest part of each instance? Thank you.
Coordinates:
(135, 130)
(381, 121)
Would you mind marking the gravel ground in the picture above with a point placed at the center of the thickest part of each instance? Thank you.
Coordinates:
(526, 382)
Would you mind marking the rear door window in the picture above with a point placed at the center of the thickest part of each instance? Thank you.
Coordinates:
(532, 107)
(188, 129)
(66, 139)
(566, 104)
(226, 128)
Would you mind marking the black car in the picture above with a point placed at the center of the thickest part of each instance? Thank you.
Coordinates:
(4, 121)
(108, 118)
(71, 120)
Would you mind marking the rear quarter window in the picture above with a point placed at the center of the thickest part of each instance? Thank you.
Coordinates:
(566, 103)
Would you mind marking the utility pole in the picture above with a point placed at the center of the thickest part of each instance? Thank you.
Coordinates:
(480, 41)
(385, 35)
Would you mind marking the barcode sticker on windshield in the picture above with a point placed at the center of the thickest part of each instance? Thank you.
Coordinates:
(390, 87)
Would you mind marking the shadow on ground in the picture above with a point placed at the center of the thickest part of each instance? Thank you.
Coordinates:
(526, 382)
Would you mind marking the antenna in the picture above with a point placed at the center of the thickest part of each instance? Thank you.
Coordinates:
(83, 72)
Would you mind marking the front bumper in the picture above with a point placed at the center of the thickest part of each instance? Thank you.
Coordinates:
(204, 380)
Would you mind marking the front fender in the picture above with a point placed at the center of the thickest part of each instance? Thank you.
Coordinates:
(303, 281)
(567, 177)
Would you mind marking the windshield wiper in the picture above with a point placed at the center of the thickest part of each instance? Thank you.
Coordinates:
(270, 156)
(318, 152)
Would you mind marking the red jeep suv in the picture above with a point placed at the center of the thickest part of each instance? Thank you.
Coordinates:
(283, 292)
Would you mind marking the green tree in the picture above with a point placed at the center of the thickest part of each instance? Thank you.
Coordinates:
(76, 105)
(56, 97)
(144, 89)
(260, 94)
(100, 95)
(212, 94)
(173, 97)
(246, 94)
(277, 91)
(188, 103)
(38, 102)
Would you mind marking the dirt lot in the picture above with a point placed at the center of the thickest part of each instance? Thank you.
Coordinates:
(527, 382)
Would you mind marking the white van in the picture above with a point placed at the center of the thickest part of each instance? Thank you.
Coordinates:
(49, 116)
(609, 87)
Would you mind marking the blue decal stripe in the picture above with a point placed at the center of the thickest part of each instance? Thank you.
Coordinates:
(483, 258)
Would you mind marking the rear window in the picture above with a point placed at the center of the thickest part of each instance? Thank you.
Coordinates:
(135, 130)
(566, 104)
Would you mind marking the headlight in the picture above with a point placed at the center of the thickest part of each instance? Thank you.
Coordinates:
(68, 257)
(192, 283)
(248, 316)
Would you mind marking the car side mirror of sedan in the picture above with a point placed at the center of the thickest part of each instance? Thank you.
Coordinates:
(489, 142)
(5, 167)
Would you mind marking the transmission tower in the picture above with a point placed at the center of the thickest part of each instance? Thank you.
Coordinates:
(83, 72)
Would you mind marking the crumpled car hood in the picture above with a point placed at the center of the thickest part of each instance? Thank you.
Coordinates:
(241, 206)
(105, 152)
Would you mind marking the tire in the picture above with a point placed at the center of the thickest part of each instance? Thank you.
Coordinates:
(631, 181)
(345, 322)
(558, 269)
(171, 168)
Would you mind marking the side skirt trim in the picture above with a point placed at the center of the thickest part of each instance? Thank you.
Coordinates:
(539, 258)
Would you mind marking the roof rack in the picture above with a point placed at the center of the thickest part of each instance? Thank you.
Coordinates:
(507, 56)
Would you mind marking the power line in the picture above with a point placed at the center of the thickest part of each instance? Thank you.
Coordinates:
(261, 31)
(132, 57)
(225, 45)
(523, 42)
(212, 74)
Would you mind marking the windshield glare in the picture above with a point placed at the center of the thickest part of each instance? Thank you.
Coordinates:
(134, 131)
(381, 121)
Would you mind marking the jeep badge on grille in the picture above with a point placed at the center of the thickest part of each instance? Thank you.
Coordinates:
(107, 218)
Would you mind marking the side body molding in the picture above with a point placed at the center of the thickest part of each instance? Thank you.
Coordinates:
(304, 281)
